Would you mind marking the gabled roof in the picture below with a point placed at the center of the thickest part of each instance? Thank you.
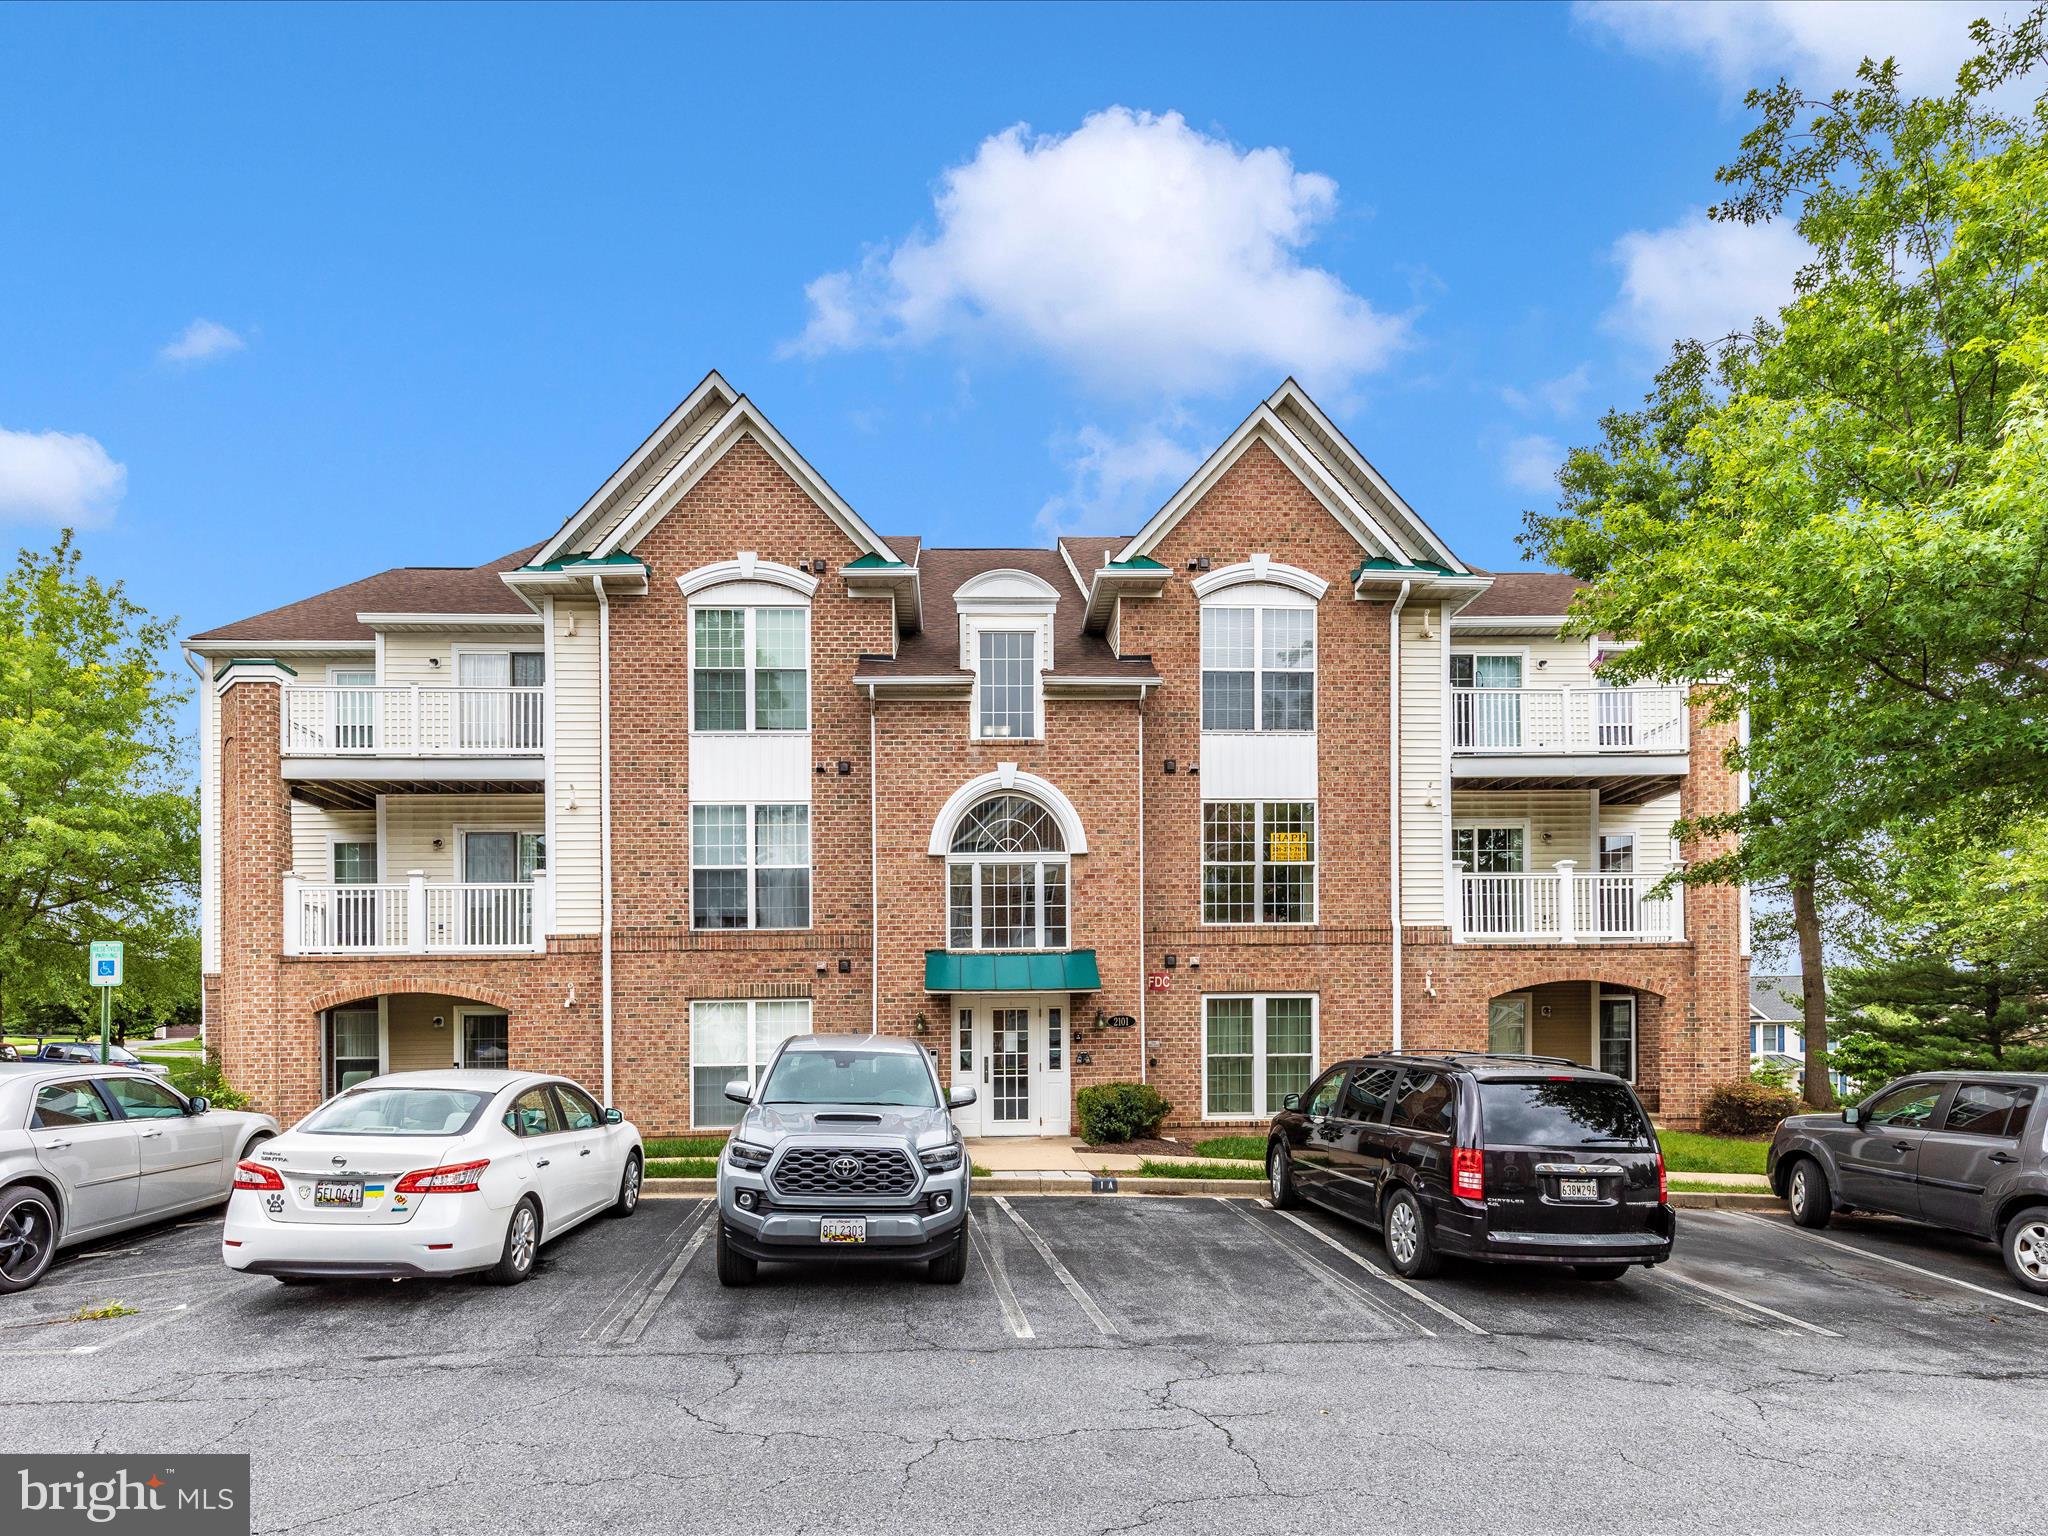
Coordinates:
(332, 615)
(1769, 1002)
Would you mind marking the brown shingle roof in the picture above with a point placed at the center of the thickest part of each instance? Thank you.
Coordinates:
(1514, 593)
(1088, 551)
(403, 589)
(935, 650)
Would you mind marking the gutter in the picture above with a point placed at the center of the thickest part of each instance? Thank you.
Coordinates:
(1144, 1057)
(604, 813)
(874, 883)
(207, 830)
(1394, 794)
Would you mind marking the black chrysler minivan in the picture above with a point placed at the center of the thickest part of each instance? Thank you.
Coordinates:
(1523, 1159)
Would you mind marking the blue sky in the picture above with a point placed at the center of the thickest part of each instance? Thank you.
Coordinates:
(288, 296)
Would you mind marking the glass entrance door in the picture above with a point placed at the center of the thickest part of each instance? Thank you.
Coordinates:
(1507, 1025)
(1009, 1066)
(352, 1047)
(1014, 1051)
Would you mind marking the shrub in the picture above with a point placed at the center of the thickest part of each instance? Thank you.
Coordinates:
(203, 1077)
(1119, 1111)
(1746, 1107)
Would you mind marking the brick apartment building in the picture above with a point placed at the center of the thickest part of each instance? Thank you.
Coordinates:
(1274, 780)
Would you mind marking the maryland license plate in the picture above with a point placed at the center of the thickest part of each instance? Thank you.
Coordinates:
(336, 1192)
(843, 1229)
(1578, 1189)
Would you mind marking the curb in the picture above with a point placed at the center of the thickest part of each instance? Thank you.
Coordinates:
(1724, 1200)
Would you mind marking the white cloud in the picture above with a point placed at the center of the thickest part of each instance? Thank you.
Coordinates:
(62, 478)
(1817, 46)
(1701, 279)
(1561, 396)
(201, 342)
(1114, 483)
(1136, 251)
(1530, 463)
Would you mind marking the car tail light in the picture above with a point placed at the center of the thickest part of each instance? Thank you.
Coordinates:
(256, 1176)
(1468, 1172)
(454, 1179)
(1663, 1182)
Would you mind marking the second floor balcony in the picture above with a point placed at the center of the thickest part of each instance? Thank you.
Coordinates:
(412, 721)
(417, 917)
(1565, 907)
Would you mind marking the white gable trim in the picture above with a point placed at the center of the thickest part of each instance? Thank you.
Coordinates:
(1265, 425)
(743, 420)
(1291, 393)
(1005, 590)
(1262, 569)
(1008, 779)
(571, 531)
(748, 567)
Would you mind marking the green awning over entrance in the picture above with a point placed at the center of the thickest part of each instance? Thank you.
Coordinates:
(1073, 971)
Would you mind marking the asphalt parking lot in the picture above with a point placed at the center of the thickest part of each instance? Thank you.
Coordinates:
(1110, 1364)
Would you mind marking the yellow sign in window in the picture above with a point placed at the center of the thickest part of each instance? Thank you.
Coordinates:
(1286, 847)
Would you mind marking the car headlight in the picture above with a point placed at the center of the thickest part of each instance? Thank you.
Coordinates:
(940, 1159)
(745, 1154)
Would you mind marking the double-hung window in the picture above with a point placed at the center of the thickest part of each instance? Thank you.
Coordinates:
(1006, 677)
(1486, 701)
(1006, 878)
(750, 866)
(1255, 1051)
(750, 669)
(736, 1039)
(1258, 669)
(1259, 861)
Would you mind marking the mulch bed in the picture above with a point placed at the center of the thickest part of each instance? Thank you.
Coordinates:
(1148, 1146)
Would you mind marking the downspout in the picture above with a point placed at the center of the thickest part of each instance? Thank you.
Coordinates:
(1144, 1060)
(874, 882)
(208, 830)
(604, 816)
(1394, 793)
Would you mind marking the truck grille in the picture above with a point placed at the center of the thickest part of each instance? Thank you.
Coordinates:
(826, 1171)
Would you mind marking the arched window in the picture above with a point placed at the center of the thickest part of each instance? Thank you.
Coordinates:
(1006, 877)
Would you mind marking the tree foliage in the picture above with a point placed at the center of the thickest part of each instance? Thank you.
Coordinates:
(98, 830)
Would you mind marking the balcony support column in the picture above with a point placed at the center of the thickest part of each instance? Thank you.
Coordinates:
(1567, 903)
(416, 912)
(543, 919)
(294, 911)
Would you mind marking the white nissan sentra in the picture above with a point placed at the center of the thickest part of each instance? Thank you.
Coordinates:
(431, 1173)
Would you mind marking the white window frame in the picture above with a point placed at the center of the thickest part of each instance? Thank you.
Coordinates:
(1528, 1001)
(1258, 611)
(1491, 824)
(1036, 672)
(1037, 863)
(466, 1011)
(750, 1068)
(1259, 863)
(751, 609)
(1522, 653)
(1605, 995)
(753, 866)
(498, 648)
(460, 831)
(1260, 1109)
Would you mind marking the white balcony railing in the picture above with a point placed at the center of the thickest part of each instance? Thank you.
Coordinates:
(1566, 908)
(323, 720)
(1558, 720)
(416, 918)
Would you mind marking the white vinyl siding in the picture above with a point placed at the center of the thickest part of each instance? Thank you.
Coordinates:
(1424, 797)
(412, 824)
(316, 828)
(573, 863)
(410, 656)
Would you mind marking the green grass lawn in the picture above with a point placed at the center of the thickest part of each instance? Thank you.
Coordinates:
(1153, 1169)
(164, 1047)
(1691, 1152)
(1684, 1185)
(1253, 1147)
(683, 1168)
(682, 1146)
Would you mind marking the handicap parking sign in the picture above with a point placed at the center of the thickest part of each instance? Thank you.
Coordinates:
(105, 963)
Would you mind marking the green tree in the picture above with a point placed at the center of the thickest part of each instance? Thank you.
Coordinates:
(1838, 518)
(98, 830)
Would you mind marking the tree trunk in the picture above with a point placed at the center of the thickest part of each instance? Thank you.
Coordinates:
(1817, 1088)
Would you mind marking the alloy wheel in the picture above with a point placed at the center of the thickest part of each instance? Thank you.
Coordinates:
(632, 1182)
(523, 1233)
(24, 1239)
(1275, 1173)
(1401, 1231)
(1802, 1189)
(2030, 1251)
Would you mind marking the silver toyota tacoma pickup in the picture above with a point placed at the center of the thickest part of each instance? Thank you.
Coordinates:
(845, 1151)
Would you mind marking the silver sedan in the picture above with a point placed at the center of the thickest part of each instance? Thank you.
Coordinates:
(89, 1150)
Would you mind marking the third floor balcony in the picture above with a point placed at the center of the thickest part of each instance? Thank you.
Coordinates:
(1632, 740)
(449, 737)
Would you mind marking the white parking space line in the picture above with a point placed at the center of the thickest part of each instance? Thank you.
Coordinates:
(637, 1324)
(2008, 1298)
(1377, 1273)
(627, 1297)
(105, 1253)
(991, 1251)
(1086, 1302)
(1666, 1272)
(1336, 1284)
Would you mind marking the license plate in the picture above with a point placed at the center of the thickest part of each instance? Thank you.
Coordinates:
(327, 1192)
(843, 1229)
(1578, 1189)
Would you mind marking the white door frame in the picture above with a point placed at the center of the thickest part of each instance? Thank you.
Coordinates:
(1050, 1088)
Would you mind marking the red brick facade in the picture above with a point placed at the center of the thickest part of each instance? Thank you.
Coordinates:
(1105, 755)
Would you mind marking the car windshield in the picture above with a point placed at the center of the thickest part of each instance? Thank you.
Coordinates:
(1561, 1112)
(396, 1112)
(851, 1076)
(92, 1053)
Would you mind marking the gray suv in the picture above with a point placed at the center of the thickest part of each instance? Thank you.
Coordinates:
(846, 1151)
(1961, 1150)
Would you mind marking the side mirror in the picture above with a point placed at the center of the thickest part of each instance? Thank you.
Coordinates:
(738, 1091)
(960, 1098)
(198, 1104)
(614, 1117)
(1852, 1116)
(1290, 1101)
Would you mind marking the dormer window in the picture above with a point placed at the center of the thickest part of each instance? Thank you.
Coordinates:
(1006, 685)
(1006, 641)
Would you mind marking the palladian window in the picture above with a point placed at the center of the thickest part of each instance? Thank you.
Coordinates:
(1006, 878)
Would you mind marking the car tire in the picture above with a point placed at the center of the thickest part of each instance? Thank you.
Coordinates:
(1599, 1271)
(950, 1267)
(522, 1245)
(1280, 1178)
(28, 1237)
(1405, 1230)
(1806, 1194)
(734, 1267)
(629, 1187)
(256, 1141)
(2025, 1246)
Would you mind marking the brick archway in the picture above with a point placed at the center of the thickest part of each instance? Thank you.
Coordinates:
(1613, 971)
(462, 989)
